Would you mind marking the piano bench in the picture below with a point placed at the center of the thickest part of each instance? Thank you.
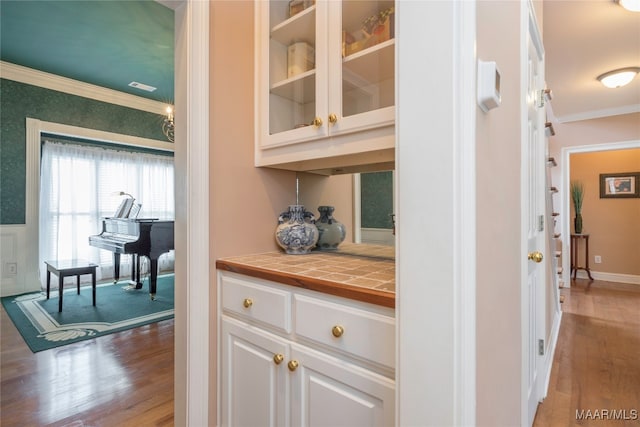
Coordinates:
(74, 267)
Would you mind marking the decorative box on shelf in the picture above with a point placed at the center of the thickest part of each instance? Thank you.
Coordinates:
(376, 29)
(300, 58)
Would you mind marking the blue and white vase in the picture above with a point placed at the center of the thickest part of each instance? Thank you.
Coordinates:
(332, 231)
(296, 232)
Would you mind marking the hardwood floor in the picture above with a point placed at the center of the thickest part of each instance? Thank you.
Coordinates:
(122, 379)
(126, 379)
(596, 367)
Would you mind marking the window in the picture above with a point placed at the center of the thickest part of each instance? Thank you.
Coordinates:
(77, 186)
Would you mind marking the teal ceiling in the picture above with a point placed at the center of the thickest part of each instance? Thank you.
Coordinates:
(105, 43)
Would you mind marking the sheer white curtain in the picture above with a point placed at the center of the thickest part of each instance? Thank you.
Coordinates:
(77, 183)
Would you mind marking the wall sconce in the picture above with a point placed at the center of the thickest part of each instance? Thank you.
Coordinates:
(632, 5)
(168, 125)
(618, 78)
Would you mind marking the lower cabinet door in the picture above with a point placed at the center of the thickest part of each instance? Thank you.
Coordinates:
(255, 390)
(329, 392)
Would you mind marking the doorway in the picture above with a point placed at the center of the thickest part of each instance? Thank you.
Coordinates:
(592, 190)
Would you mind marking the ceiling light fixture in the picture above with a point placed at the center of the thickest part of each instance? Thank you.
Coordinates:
(618, 78)
(168, 127)
(632, 5)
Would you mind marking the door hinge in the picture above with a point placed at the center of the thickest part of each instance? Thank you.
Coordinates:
(540, 222)
(541, 347)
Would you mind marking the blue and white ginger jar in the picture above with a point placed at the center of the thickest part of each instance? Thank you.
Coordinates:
(332, 231)
(296, 232)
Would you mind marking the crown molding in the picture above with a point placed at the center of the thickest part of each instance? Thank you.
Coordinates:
(33, 77)
(598, 114)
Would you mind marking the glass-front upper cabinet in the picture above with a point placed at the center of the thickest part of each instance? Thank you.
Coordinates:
(364, 95)
(324, 68)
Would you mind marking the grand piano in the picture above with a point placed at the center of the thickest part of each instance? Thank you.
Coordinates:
(139, 237)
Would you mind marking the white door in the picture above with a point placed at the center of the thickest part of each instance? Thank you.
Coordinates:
(327, 392)
(533, 199)
(254, 388)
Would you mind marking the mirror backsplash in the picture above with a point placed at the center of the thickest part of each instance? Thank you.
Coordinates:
(363, 203)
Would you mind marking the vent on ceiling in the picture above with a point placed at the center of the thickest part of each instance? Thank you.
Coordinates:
(142, 86)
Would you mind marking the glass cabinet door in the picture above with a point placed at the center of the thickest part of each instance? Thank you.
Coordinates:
(296, 74)
(365, 94)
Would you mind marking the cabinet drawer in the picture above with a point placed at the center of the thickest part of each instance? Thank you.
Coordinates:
(362, 333)
(257, 302)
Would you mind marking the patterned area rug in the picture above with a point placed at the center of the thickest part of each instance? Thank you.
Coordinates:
(117, 309)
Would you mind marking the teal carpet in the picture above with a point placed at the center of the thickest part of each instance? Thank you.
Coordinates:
(117, 309)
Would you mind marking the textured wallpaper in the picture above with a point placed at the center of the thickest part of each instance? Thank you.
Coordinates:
(376, 199)
(19, 101)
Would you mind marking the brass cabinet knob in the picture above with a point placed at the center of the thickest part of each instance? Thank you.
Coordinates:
(337, 331)
(535, 256)
(317, 122)
(292, 365)
(248, 302)
(278, 358)
(333, 118)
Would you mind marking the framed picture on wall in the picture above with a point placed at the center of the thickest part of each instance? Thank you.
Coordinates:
(619, 185)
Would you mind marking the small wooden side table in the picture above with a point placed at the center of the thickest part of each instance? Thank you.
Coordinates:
(74, 267)
(575, 248)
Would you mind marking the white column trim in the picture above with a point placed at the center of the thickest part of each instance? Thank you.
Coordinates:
(192, 211)
(357, 208)
(435, 248)
(464, 232)
(198, 202)
(32, 202)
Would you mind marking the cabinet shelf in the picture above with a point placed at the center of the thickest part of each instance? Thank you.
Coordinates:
(300, 88)
(371, 65)
(299, 28)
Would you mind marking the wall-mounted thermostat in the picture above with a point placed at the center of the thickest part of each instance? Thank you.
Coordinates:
(488, 85)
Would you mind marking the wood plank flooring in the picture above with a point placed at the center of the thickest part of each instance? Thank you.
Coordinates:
(596, 367)
(122, 379)
(126, 379)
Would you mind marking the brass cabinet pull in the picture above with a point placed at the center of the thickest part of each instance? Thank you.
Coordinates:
(278, 358)
(292, 365)
(535, 256)
(317, 122)
(337, 331)
(333, 118)
(248, 302)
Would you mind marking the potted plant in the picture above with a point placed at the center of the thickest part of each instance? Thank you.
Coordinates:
(577, 196)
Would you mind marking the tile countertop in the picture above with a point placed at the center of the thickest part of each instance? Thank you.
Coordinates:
(360, 272)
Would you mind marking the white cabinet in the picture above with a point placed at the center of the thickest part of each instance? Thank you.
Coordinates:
(335, 371)
(325, 79)
(254, 388)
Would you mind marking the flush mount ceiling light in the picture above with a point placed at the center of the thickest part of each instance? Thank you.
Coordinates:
(618, 78)
(632, 5)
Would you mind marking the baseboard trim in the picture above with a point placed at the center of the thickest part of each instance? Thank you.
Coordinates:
(611, 277)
